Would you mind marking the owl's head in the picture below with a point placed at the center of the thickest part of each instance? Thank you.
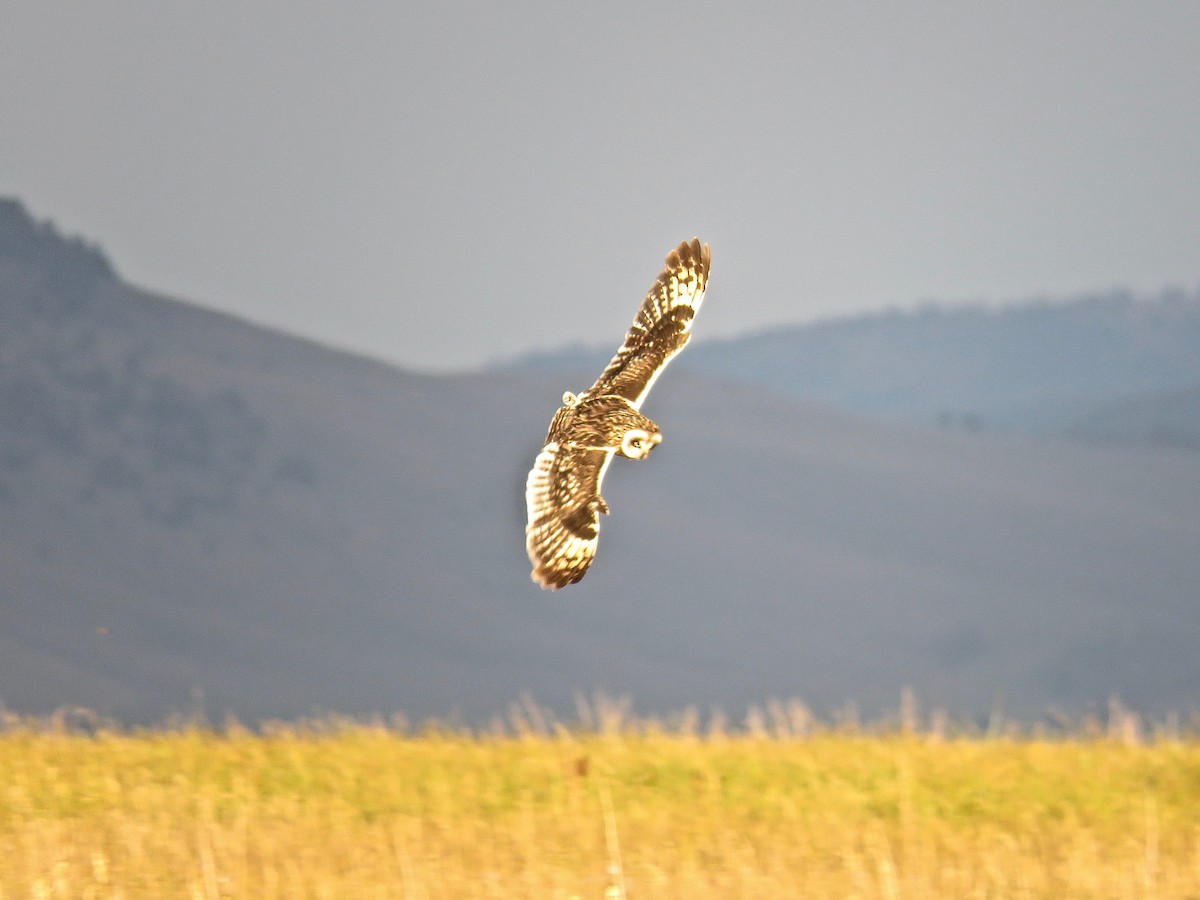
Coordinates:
(638, 442)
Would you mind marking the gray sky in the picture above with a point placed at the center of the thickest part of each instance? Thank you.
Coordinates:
(444, 184)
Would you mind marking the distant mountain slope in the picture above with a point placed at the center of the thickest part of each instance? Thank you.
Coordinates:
(1039, 367)
(196, 510)
(1165, 418)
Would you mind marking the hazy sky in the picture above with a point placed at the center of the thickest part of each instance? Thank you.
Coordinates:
(443, 184)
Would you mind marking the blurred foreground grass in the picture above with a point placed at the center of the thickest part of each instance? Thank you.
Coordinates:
(640, 811)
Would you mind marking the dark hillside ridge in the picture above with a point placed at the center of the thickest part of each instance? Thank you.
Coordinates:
(64, 272)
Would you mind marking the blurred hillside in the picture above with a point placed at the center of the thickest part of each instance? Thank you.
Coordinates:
(195, 510)
(1078, 367)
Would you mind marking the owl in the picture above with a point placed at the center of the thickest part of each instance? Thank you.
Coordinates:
(562, 492)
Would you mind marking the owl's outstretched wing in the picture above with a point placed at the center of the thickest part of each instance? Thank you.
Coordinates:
(562, 494)
(662, 327)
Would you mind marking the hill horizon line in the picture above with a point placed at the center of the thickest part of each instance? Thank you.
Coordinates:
(14, 210)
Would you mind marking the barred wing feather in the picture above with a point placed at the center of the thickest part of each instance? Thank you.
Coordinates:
(562, 495)
(662, 326)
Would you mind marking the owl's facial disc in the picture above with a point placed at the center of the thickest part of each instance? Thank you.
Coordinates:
(637, 443)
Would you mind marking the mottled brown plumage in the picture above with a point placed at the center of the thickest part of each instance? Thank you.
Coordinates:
(562, 492)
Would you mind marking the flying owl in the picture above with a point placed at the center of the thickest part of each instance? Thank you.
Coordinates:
(562, 492)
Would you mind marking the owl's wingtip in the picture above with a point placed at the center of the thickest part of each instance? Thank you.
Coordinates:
(552, 581)
(536, 577)
(693, 250)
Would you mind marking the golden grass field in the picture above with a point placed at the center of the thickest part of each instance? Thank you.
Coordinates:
(628, 810)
